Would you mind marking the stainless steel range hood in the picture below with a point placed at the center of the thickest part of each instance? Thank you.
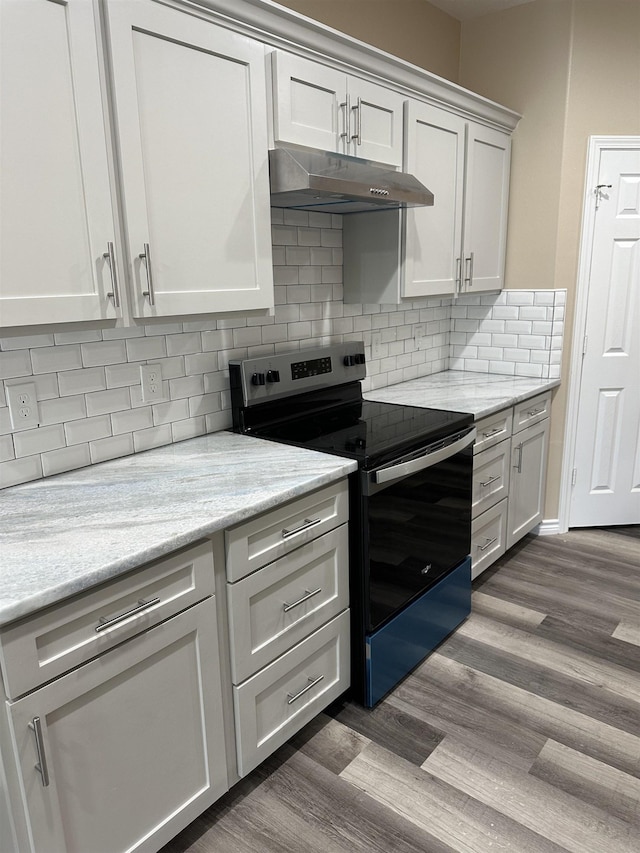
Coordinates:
(335, 183)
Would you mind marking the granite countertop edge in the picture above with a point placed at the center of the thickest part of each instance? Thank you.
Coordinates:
(65, 534)
(481, 394)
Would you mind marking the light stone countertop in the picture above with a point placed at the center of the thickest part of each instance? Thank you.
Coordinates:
(481, 394)
(62, 535)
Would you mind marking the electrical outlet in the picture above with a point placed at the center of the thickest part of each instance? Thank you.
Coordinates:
(419, 336)
(23, 405)
(376, 344)
(151, 382)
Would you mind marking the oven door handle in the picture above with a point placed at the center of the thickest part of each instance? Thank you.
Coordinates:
(404, 469)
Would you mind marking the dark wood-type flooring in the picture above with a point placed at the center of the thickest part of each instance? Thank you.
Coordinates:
(521, 732)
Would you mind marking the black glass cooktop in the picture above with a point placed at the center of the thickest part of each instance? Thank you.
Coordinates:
(371, 432)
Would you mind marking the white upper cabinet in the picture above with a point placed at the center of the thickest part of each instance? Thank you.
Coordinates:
(322, 107)
(190, 107)
(458, 245)
(56, 217)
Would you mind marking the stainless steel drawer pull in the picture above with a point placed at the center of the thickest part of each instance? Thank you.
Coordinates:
(492, 432)
(487, 543)
(140, 607)
(533, 412)
(309, 594)
(490, 480)
(306, 524)
(312, 683)
(41, 766)
(146, 258)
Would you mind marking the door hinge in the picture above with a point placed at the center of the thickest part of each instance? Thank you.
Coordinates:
(574, 476)
(584, 344)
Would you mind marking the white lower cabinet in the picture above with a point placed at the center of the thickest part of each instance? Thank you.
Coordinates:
(288, 600)
(509, 476)
(124, 752)
(113, 733)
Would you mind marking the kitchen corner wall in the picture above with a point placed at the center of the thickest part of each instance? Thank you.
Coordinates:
(88, 382)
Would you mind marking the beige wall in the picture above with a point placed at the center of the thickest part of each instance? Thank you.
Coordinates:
(412, 29)
(572, 68)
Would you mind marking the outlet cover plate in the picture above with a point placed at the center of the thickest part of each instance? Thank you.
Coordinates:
(23, 405)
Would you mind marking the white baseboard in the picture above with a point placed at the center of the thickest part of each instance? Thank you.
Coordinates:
(548, 527)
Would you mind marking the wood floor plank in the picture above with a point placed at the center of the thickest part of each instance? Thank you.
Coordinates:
(504, 611)
(529, 647)
(330, 743)
(589, 780)
(561, 818)
(551, 719)
(591, 699)
(448, 813)
(584, 637)
(629, 632)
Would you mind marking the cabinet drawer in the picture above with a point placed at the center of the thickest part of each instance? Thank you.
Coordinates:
(274, 704)
(490, 477)
(493, 429)
(531, 411)
(259, 541)
(488, 537)
(55, 640)
(281, 604)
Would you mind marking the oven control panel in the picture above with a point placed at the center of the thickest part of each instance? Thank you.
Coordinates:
(257, 380)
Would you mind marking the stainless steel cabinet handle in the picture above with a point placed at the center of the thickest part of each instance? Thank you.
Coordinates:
(458, 275)
(487, 543)
(346, 105)
(490, 480)
(306, 524)
(141, 606)
(110, 258)
(518, 465)
(492, 432)
(41, 766)
(312, 683)
(358, 134)
(468, 262)
(533, 412)
(146, 257)
(309, 594)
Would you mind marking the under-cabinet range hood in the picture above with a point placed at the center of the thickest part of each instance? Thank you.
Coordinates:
(336, 183)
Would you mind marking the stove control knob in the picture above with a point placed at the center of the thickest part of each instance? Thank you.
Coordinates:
(359, 357)
(349, 360)
(273, 376)
(257, 379)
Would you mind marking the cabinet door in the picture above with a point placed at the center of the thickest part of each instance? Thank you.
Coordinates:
(133, 741)
(190, 101)
(434, 142)
(375, 122)
(56, 217)
(528, 477)
(309, 102)
(485, 208)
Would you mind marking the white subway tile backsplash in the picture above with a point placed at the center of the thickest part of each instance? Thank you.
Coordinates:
(62, 409)
(111, 448)
(81, 381)
(89, 429)
(65, 459)
(145, 439)
(18, 471)
(58, 358)
(32, 441)
(88, 381)
(143, 349)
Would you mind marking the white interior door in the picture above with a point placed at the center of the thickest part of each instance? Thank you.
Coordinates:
(606, 464)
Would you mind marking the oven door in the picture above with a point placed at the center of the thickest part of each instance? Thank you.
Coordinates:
(416, 517)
